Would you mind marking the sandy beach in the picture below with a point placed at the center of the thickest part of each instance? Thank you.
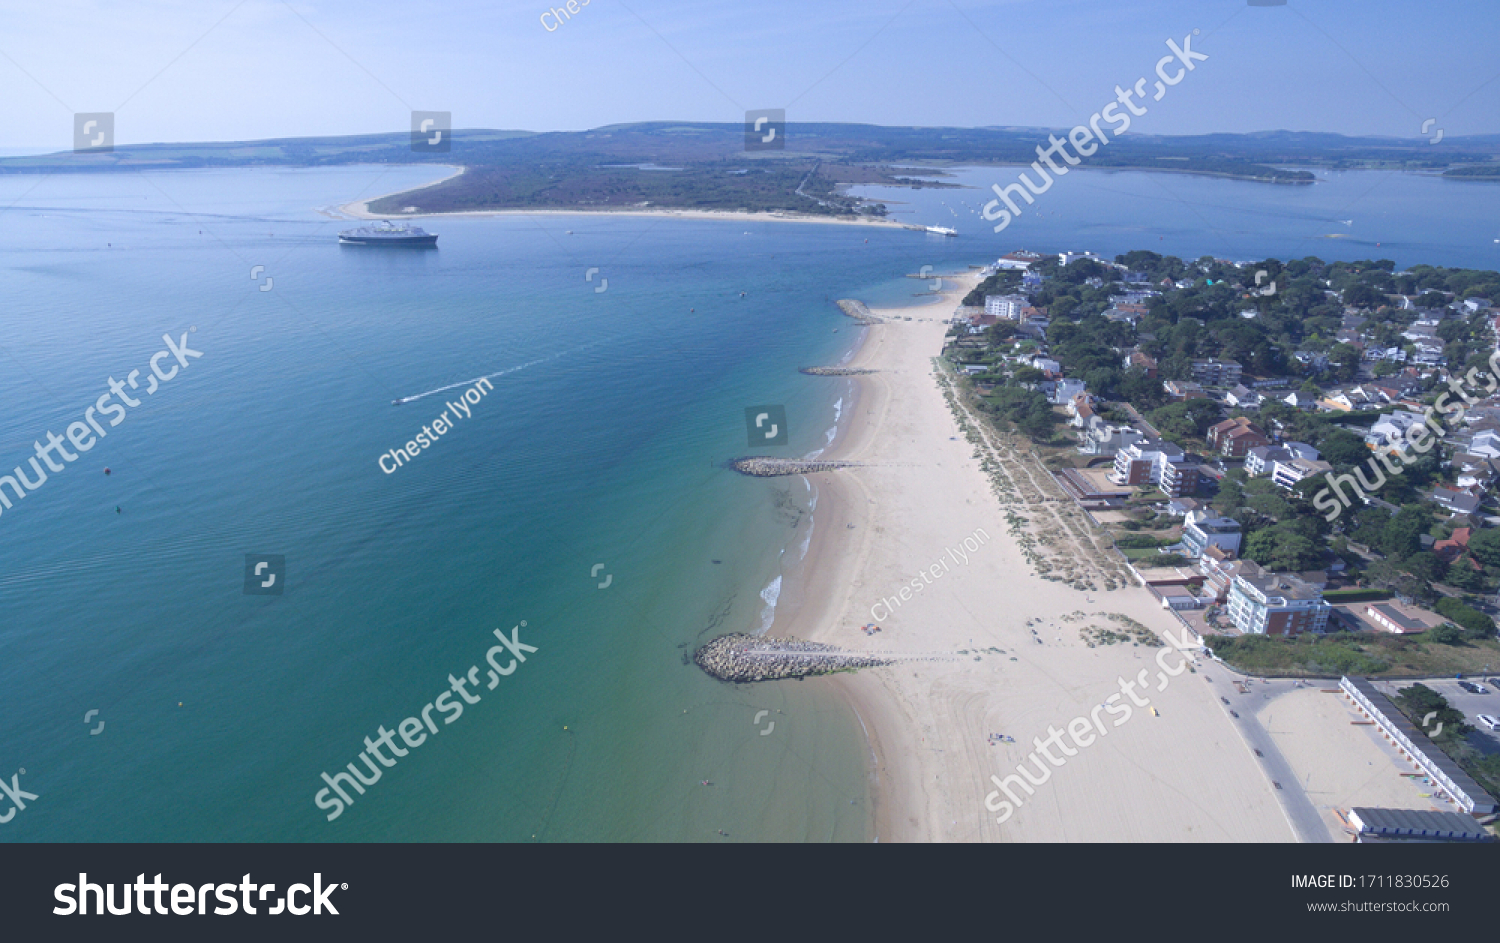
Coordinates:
(1338, 758)
(1179, 774)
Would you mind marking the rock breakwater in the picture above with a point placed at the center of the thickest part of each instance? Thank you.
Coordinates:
(835, 371)
(776, 467)
(859, 311)
(742, 658)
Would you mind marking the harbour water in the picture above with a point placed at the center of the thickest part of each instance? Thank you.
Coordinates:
(586, 494)
(597, 459)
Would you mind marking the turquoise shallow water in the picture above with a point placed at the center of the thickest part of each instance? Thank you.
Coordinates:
(602, 443)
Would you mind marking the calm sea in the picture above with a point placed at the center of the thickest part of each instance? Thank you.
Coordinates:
(623, 357)
(1408, 218)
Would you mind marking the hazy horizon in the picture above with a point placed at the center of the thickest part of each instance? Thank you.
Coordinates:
(175, 72)
(25, 151)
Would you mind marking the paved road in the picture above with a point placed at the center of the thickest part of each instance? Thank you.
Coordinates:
(1140, 422)
(1306, 821)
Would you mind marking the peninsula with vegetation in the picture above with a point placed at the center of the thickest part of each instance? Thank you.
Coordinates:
(705, 166)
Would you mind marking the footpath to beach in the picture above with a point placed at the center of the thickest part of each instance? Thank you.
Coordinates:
(921, 471)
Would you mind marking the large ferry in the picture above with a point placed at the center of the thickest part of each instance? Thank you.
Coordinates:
(387, 233)
(942, 231)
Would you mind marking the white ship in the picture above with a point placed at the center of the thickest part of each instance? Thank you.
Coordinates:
(386, 233)
(942, 230)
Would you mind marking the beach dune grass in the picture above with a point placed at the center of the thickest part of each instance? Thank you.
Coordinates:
(1363, 653)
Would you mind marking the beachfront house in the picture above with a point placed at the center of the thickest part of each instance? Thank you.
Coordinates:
(1068, 258)
(1142, 463)
(1020, 260)
(1061, 392)
(1004, 307)
(1266, 603)
(1103, 438)
(1177, 479)
(1081, 409)
(1202, 529)
(1219, 568)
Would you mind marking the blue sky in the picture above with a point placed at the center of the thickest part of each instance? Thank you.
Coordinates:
(175, 70)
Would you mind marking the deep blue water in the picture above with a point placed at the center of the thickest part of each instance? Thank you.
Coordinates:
(601, 446)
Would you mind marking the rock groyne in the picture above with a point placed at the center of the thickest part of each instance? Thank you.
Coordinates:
(835, 371)
(758, 467)
(742, 658)
(859, 311)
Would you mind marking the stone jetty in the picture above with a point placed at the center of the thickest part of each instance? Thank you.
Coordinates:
(758, 467)
(859, 311)
(835, 371)
(742, 658)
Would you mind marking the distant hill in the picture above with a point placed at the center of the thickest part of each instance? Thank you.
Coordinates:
(708, 166)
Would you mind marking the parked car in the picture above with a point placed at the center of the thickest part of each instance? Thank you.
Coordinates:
(1472, 688)
(1490, 721)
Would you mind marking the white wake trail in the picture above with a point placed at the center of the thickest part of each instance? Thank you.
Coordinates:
(490, 376)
